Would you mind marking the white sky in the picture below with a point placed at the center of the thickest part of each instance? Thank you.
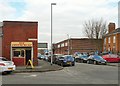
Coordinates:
(68, 15)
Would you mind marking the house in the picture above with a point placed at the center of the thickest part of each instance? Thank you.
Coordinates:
(111, 41)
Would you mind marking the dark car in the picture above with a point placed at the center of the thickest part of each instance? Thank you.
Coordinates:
(54, 58)
(96, 59)
(66, 60)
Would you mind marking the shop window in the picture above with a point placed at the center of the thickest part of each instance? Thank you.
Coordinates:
(18, 53)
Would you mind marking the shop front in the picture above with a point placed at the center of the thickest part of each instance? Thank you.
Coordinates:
(21, 52)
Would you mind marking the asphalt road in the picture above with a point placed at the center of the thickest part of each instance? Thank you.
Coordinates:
(81, 73)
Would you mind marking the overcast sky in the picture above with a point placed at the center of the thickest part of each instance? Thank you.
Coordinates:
(68, 15)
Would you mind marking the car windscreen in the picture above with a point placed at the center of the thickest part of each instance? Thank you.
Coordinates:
(98, 57)
(84, 56)
(69, 57)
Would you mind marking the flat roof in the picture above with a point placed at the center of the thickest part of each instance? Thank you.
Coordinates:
(21, 21)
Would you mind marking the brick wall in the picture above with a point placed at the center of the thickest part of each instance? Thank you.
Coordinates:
(19, 31)
(0, 39)
(79, 45)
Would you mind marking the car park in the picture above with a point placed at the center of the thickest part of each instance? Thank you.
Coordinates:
(6, 66)
(96, 59)
(66, 60)
(111, 57)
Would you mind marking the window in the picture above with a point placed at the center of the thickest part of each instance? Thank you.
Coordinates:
(59, 46)
(109, 40)
(66, 44)
(18, 53)
(114, 39)
(62, 45)
(105, 41)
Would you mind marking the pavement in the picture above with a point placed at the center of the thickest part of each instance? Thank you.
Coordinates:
(43, 66)
(114, 64)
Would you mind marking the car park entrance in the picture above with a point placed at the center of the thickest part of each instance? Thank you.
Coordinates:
(21, 52)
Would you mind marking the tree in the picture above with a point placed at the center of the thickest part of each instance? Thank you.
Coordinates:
(95, 28)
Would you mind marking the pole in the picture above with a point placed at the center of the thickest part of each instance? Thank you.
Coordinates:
(68, 45)
(51, 35)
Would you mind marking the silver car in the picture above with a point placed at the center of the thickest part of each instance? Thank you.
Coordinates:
(6, 66)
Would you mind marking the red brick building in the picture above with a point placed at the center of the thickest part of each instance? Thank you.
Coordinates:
(19, 41)
(111, 41)
(1, 38)
(77, 45)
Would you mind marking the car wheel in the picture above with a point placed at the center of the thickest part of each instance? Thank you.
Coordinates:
(73, 64)
(4, 73)
(81, 61)
(88, 62)
(95, 62)
(61, 64)
(76, 60)
(9, 72)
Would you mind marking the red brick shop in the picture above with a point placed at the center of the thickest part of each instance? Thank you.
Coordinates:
(19, 41)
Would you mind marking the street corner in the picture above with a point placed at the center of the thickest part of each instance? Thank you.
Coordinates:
(44, 68)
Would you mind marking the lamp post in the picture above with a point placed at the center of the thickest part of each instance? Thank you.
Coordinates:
(51, 35)
(68, 44)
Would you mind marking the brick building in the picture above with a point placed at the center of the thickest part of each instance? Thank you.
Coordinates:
(19, 41)
(73, 45)
(1, 38)
(111, 41)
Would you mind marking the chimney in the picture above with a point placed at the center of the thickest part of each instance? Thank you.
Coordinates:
(111, 27)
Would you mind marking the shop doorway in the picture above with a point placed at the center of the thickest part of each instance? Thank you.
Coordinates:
(28, 55)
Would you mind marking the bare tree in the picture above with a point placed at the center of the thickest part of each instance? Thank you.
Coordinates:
(95, 28)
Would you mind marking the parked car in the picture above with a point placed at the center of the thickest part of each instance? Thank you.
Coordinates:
(41, 57)
(96, 59)
(66, 60)
(45, 58)
(111, 58)
(6, 66)
(54, 58)
(82, 59)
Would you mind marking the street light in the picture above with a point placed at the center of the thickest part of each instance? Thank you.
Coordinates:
(51, 34)
(68, 44)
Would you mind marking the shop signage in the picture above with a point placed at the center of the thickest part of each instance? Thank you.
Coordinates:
(21, 44)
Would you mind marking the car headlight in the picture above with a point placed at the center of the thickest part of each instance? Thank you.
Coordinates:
(64, 61)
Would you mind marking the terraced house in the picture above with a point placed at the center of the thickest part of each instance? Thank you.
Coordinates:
(111, 41)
